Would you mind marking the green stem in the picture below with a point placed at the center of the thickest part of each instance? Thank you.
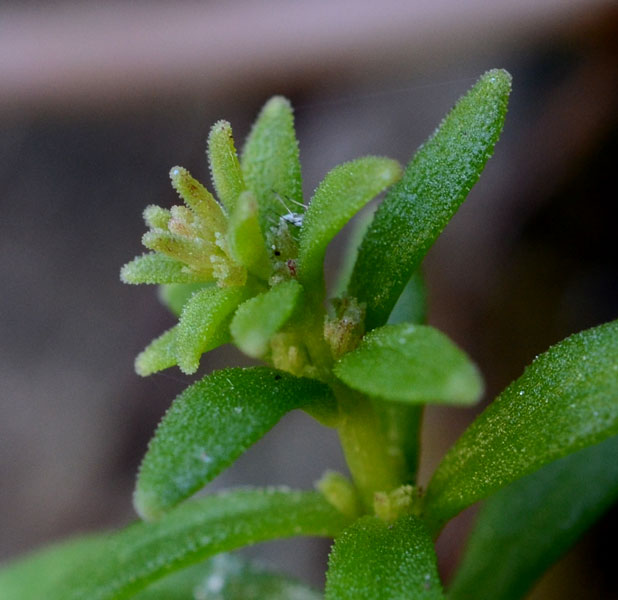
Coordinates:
(402, 427)
(365, 447)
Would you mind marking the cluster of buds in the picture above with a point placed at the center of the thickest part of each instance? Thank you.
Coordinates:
(194, 234)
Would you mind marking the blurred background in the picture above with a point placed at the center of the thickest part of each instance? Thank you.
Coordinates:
(99, 100)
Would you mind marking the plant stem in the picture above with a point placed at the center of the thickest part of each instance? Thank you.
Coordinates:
(366, 449)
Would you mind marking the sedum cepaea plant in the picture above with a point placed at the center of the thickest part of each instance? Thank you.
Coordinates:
(247, 268)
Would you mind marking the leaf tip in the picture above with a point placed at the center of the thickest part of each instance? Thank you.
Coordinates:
(144, 506)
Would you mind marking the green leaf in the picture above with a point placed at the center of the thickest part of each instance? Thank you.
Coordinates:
(411, 306)
(524, 528)
(245, 238)
(175, 295)
(158, 355)
(342, 193)
(374, 560)
(270, 163)
(224, 165)
(227, 577)
(260, 317)
(566, 399)
(358, 229)
(204, 324)
(434, 185)
(409, 363)
(154, 267)
(211, 424)
(31, 577)
(127, 561)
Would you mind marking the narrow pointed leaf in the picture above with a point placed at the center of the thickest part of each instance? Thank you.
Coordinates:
(409, 363)
(270, 163)
(566, 399)
(434, 185)
(211, 424)
(158, 355)
(155, 267)
(373, 560)
(524, 528)
(128, 561)
(224, 165)
(175, 295)
(245, 237)
(204, 324)
(344, 191)
(259, 318)
(227, 577)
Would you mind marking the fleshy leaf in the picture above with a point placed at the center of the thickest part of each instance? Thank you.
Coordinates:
(204, 324)
(227, 577)
(198, 198)
(566, 399)
(259, 318)
(127, 561)
(175, 295)
(373, 560)
(342, 193)
(434, 184)
(158, 355)
(524, 528)
(409, 363)
(224, 165)
(270, 163)
(155, 267)
(245, 237)
(211, 424)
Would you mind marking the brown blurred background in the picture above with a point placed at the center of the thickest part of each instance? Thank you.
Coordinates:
(99, 100)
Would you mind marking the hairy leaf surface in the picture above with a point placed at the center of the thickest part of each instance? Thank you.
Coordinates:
(209, 425)
(373, 560)
(434, 184)
(524, 528)
(175, 295)
(245, 237)
(204, 324)
(270, 163)
(566, 399)
(410, 363)
(121, 564)
(224, 165)
(154, 267)
(342, 193)
(260, 317)
(158, 355)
